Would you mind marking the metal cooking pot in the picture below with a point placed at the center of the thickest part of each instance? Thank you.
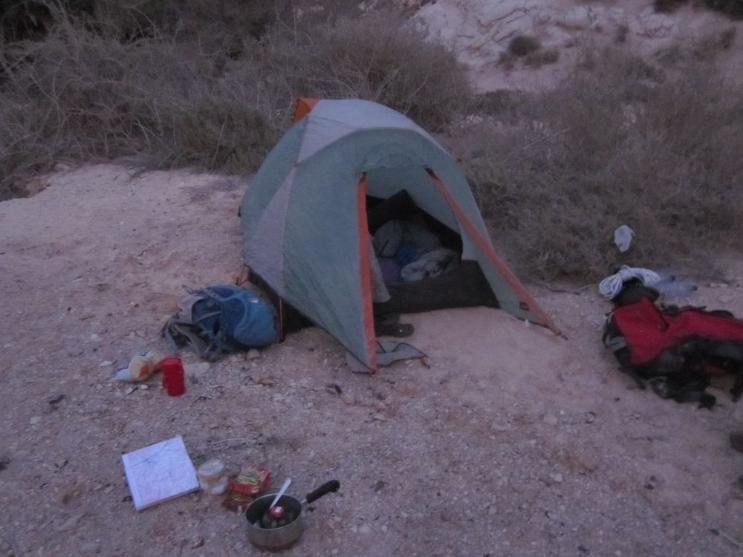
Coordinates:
(283, 537)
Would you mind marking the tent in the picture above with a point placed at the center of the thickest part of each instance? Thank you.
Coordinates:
(304, 217)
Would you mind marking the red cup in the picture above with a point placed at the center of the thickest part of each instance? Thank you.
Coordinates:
(173, 377)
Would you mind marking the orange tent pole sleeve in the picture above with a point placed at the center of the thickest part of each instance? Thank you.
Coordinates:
(365, 266)
(303, 107)
(471, 229)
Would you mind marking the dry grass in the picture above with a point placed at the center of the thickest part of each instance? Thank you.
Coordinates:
(106, 86)
(617, 142)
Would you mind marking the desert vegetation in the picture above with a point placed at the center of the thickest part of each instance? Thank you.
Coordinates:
(619, 141)
(654, 144)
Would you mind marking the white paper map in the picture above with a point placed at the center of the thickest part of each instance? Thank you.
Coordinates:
(159, 472)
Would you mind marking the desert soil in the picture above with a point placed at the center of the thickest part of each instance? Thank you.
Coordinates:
(512, 442)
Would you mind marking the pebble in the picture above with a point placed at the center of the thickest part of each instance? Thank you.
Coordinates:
(95, 338)
(365, 529)
(106, 363)
(253, 354)
(550, 419)
(379, 417)
(70, 523)
(198, 542)
(348, 398)
(35, 420)
(556, 477)
(590, 417)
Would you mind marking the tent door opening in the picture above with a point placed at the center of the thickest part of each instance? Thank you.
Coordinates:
(420, 260)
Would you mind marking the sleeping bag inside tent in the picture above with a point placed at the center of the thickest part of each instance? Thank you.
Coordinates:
(358, 211)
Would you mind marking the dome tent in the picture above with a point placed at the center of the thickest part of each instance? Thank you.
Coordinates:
(304, 217)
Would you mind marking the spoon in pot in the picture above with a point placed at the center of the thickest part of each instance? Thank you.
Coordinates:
(273, 511)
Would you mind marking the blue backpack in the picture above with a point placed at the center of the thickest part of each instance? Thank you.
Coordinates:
(222, 319)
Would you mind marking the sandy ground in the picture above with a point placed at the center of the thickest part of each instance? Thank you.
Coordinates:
(513, 442)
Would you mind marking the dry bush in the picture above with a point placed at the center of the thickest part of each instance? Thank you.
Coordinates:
(731, 8)
(90, 91)
(616, 143)
(542, 57)
(379, 58)
(78, 95)
(521, 45)
(668, 6)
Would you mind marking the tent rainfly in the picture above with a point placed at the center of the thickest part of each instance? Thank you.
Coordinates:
(304, 217)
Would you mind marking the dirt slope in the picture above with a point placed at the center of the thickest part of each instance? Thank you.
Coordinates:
(514, 442)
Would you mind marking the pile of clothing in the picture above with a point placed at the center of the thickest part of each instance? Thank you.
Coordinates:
(408, 251)
(676, 350)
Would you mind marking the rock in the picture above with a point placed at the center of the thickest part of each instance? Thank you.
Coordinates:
(379, 406)
(197, 370)
(35, 420)
(95, 338)
(106, 363)
(655, 26)
(578, 18)
(550, 419)
(197, 542)
(54, 400)
(590, 417)
(378, 417)
(334, 389)
(70, 523)
(266, 381)
(253, 354)
(365, 529)
(348, 398)
(556, 477)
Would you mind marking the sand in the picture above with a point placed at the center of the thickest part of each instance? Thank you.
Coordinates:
(512, 442)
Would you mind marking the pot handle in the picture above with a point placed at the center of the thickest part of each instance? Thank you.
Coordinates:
(324, 489)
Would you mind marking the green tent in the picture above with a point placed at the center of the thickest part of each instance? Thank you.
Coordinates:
(304, 216)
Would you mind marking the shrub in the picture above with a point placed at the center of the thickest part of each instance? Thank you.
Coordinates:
(521, 45)
(542, 57)
(667, 6)
(396, 66)
(91, 90)
(84, 96)
(731, 8)
(615, 143)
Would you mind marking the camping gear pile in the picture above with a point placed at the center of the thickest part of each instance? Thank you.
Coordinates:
(219, 320)
(676, 350)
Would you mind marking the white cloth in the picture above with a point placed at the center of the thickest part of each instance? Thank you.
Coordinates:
(612, 285)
